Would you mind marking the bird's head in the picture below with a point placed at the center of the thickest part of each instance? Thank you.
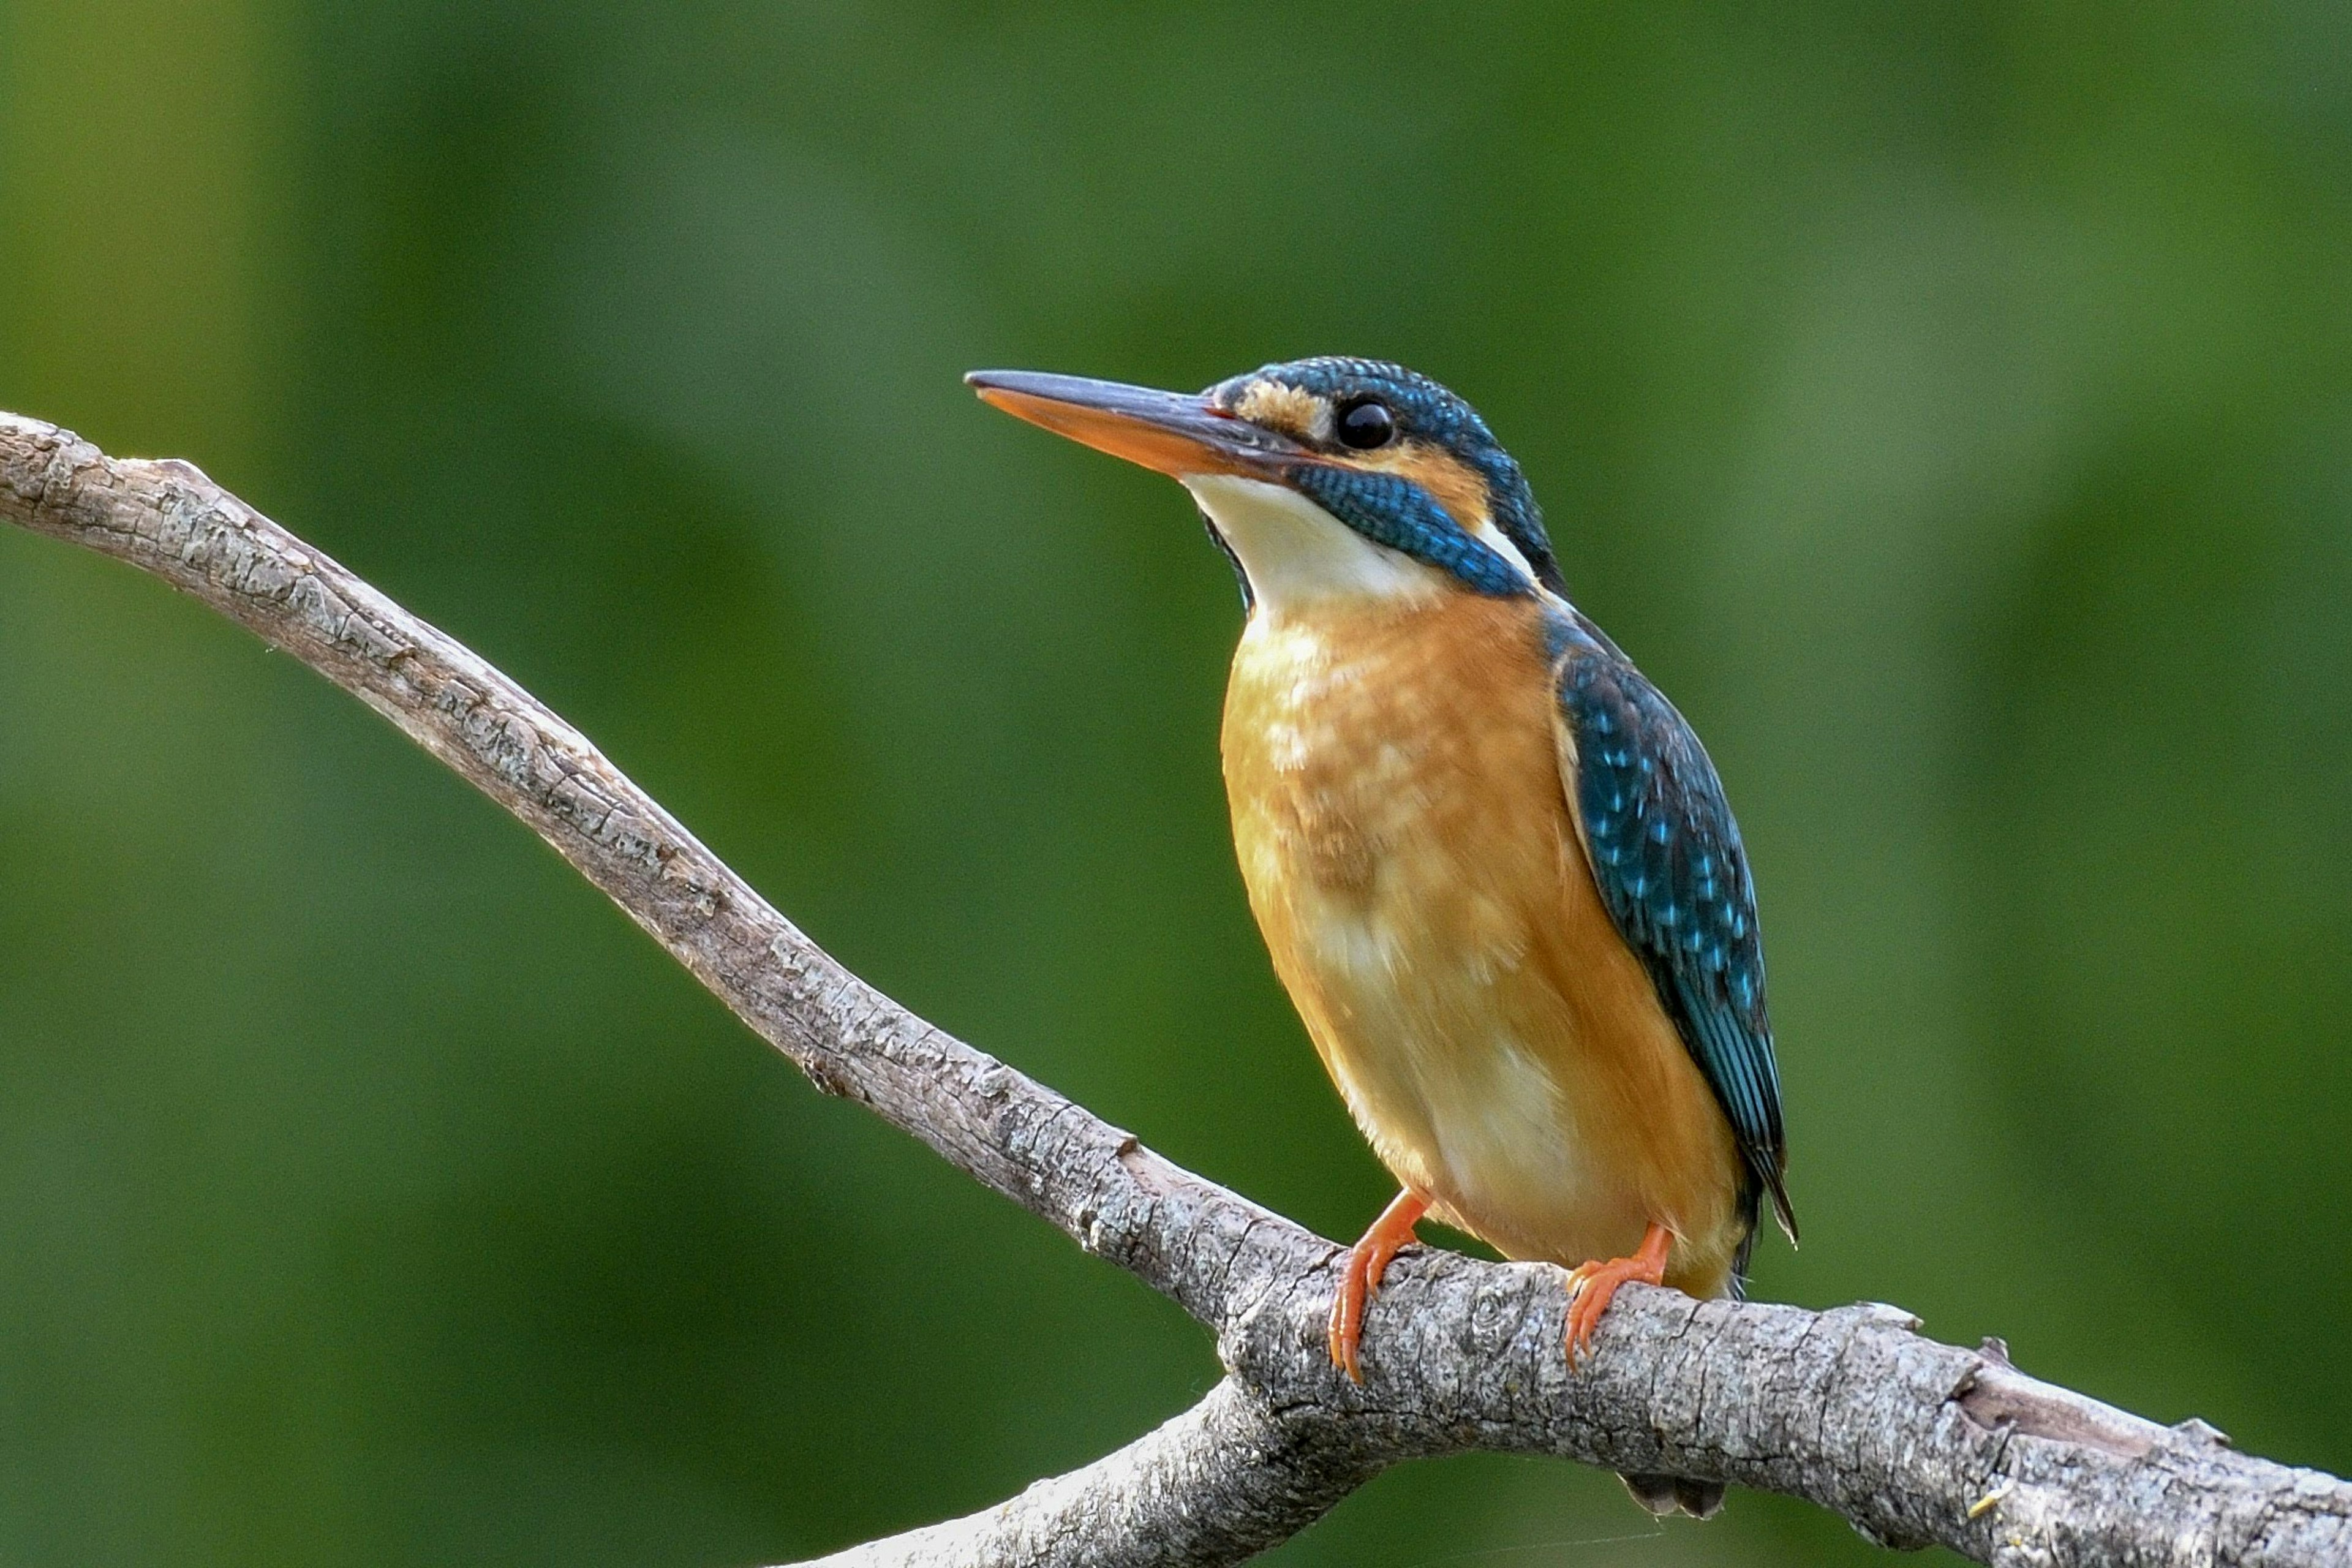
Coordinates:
(1321, 477)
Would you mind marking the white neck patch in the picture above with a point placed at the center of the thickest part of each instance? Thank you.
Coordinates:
(1495, 540)
(1296, 553)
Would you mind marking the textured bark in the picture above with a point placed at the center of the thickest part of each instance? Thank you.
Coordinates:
(1912, 1441)
(1227, 1479)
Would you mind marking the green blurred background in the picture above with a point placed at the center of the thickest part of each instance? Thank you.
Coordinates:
(1950, 405)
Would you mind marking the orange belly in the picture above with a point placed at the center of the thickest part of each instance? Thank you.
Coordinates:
(1405, 838)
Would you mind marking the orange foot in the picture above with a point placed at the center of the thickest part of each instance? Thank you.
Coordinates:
(1367, 1262)
(1591, 1286)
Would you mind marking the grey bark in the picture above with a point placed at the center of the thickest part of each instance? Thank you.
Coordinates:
(1912, 1441)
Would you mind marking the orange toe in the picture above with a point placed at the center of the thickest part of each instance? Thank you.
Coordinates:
(1591, 1286)
(1367, 1260)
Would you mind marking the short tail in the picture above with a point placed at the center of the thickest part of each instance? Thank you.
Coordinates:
(1666, 1496)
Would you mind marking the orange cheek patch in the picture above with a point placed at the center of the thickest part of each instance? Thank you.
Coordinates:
(1458, 488)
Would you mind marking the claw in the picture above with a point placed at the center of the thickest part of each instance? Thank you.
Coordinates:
(1591, 1286)
(1367, 1260)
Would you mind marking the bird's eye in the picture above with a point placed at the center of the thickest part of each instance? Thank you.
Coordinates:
(1366, 424)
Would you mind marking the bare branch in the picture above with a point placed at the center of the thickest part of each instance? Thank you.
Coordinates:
(1229, 1478)
(1912, 1441)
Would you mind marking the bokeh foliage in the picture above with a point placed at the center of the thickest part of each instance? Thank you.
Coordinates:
(1947, 403)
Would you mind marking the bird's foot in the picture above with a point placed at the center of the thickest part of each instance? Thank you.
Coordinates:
(1367, 1262)
(1591, 1286)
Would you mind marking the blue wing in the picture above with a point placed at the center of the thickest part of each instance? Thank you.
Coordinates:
(1672, 876)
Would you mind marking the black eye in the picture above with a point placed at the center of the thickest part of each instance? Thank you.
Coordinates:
(1366, 424)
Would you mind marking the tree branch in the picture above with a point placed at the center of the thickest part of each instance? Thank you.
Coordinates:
(1225, 1480)
(1912, 1441)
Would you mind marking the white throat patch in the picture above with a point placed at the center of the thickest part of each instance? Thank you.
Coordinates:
(1297, 553)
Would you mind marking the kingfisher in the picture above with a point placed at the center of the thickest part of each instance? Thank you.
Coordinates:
(1493, 865)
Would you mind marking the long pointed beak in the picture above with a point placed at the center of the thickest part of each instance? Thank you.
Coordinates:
(1178, 433)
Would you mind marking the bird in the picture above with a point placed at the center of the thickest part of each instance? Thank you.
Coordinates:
(1493, 865)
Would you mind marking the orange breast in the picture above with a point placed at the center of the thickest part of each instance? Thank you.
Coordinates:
(1405, 838)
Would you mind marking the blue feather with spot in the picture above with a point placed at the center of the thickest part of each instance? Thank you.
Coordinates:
(1666, 856)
